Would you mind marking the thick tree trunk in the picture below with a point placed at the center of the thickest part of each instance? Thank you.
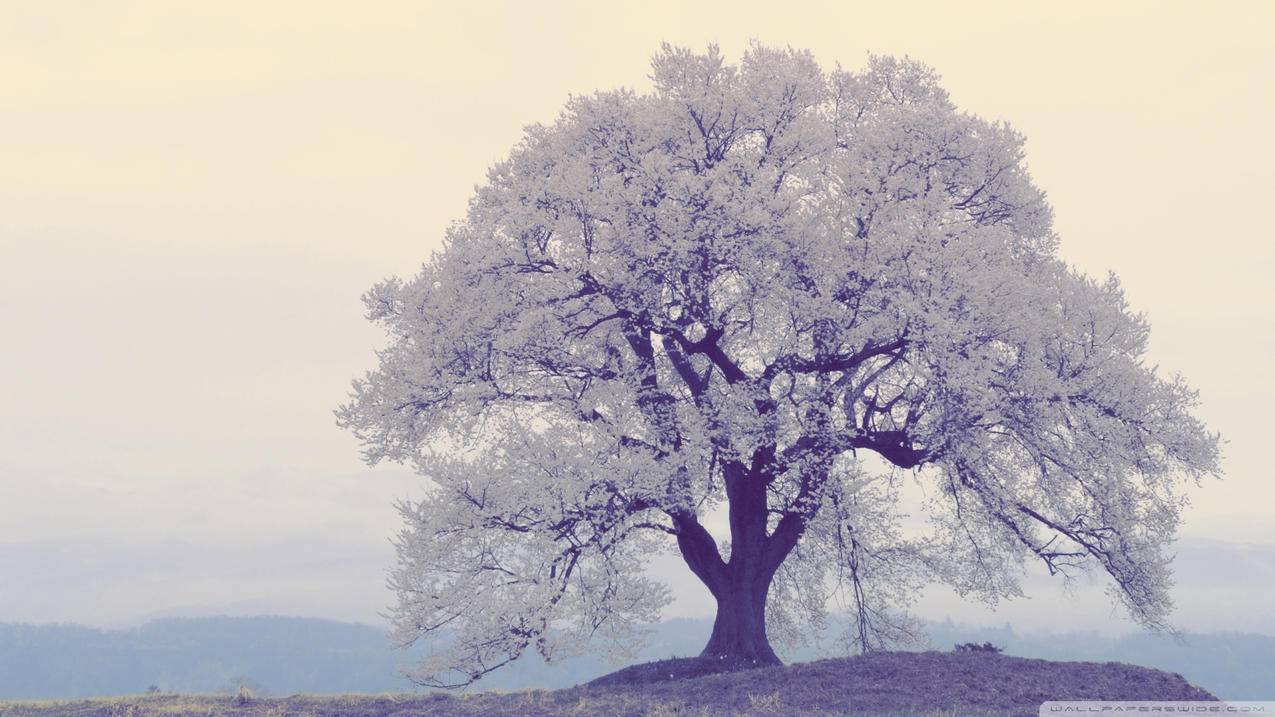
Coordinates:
(739, 631)
(740, 585)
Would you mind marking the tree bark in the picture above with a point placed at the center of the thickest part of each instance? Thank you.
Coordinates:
(739, 630)
(741, 585)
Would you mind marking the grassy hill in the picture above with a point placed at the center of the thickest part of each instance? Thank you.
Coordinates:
(294, 655)
(894, 684)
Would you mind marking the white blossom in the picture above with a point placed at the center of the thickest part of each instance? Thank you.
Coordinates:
(731, 290)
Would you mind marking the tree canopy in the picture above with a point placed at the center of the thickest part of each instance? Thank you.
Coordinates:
(784, 291)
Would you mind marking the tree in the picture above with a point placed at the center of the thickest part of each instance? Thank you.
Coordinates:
(784, 290)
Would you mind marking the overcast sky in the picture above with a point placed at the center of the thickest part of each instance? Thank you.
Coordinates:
(192, 201)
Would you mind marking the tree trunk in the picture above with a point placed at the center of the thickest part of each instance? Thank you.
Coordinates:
(739, 631)
(740, 585)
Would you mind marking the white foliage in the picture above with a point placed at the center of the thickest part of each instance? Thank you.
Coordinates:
(763, 260)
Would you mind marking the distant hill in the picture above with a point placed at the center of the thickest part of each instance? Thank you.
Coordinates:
(916, 684)
(201, 655)
(296, 655)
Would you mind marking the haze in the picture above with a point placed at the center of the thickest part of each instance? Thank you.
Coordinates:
(193, 199)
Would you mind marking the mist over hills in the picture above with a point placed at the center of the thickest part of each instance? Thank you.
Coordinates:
(300, 655)
(1221, 586)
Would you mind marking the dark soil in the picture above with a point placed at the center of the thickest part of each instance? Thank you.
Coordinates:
(678, 668)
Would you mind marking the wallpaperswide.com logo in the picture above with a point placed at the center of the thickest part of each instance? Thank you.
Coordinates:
(1060, 708)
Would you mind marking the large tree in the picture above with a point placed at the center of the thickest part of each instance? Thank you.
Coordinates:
(787, 292)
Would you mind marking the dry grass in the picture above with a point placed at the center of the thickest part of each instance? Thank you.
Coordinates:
(928, 684)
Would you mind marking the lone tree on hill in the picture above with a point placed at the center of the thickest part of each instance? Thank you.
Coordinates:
(790, 290)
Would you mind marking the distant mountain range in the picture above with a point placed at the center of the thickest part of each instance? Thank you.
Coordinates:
(298, 655)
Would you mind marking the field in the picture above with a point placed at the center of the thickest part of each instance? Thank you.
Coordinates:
(928, 684)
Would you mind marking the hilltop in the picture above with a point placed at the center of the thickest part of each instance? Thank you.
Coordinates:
(299, 655)
(892, 683)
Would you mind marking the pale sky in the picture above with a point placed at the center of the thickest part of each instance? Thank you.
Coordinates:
(194, 195)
